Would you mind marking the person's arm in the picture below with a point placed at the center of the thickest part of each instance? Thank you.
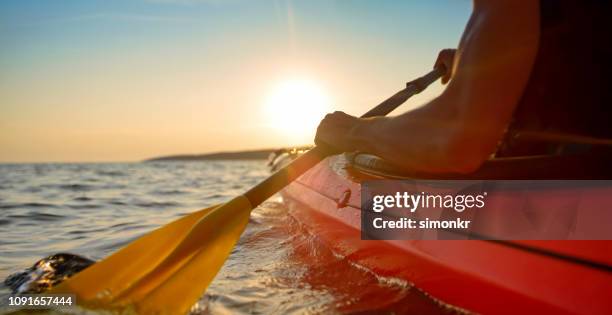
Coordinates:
(460, 129)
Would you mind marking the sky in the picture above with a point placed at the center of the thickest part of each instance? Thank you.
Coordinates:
(93, 81)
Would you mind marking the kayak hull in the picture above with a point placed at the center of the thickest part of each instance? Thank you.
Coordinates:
(481, 276)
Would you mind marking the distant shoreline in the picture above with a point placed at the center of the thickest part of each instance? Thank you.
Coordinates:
(235, 155)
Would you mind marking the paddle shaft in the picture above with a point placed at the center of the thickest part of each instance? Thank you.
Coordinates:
(304, 162)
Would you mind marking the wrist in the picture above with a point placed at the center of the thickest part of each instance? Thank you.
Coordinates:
(361, 136)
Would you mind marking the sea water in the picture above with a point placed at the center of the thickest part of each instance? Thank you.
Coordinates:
(278, 267)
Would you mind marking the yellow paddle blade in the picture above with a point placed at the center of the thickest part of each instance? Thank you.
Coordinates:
(201, 256)
(167, 270)
(115, 272)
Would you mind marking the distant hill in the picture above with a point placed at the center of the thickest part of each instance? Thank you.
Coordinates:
(238, 155)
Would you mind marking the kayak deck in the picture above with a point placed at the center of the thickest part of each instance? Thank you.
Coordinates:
(562, 277)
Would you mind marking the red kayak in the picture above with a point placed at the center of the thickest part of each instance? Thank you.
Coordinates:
(491, 277)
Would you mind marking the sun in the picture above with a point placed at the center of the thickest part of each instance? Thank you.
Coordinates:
(296, 107)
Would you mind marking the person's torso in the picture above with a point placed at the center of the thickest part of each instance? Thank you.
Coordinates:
(569, 90)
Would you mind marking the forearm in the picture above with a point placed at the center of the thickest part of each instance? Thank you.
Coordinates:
(429, 139)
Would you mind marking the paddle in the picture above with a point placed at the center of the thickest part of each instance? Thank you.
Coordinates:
(167, 270)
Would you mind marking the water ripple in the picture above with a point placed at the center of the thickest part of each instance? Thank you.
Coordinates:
(37, 216)
(26, 205)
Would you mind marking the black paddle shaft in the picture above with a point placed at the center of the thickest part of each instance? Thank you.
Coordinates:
(304, 162)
